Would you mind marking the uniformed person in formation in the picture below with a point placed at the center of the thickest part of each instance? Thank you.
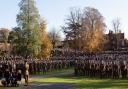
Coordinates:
(26, 72)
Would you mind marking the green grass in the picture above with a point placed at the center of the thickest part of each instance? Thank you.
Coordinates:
(17, 88)
(54, 72)
(87, 83)
(11, 88)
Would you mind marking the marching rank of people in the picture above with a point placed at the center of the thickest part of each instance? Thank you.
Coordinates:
(103, 65)
(13, 68)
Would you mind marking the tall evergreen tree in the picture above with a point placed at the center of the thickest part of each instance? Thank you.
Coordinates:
(28, 22)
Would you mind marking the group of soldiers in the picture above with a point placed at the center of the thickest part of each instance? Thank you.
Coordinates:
(44, 66)
(103, 65)
(108, 64)
(36, 66)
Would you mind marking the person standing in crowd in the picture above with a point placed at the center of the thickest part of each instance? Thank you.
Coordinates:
(26, 72)
(7, 74)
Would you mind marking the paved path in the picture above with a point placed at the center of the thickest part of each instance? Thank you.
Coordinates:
(49, 86)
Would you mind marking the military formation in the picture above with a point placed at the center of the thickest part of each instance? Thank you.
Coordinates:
(13, 67)
(36, 66)
(103, 65)
(108, 64)
(44, 66)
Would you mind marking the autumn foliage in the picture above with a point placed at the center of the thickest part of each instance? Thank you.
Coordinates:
(46, 44)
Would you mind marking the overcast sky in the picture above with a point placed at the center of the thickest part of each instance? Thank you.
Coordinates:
(55, 11)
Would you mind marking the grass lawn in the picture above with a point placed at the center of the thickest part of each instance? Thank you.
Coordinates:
(87, 83)
(17, 88)
(54, 72)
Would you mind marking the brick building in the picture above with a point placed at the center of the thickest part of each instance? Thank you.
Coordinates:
(114, 41)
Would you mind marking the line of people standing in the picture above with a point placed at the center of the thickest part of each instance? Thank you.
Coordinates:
(106, 65)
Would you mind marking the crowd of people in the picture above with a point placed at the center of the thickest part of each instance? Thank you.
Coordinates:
(105, 64)
(13, 67)
(109, 64)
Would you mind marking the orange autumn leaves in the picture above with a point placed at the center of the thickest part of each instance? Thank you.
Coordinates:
(46, 44)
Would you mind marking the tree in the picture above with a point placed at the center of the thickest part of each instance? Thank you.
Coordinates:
(55, 37)
(85, 30)
(4, 36)
(94, 27)
(28, 22)
(15, 41)
(46, 44)
(116, 26)
(4, 33)
(72, 28)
